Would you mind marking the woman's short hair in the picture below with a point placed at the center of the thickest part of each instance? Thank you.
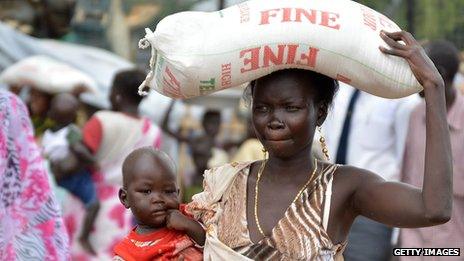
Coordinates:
(127, 83)
(324, 86)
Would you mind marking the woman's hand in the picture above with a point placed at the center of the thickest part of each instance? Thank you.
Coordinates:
(422, 67)
(398, 204)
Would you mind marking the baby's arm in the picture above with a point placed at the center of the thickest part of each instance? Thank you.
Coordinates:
(178, 221)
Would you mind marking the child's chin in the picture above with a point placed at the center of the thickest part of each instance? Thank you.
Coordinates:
(158, 222)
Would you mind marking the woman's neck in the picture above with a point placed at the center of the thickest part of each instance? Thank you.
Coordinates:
(300, 162)
(130, 110)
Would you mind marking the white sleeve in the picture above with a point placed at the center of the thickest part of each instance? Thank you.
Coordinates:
(402, 115)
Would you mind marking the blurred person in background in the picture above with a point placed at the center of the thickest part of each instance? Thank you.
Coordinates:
(31, 227)
(70, 160)
(43, 19)
(366, 131)
(204, 148)
(210, 123)
(445, 56)
(39, 103)
(251, 148)
(111, 136)
(201, 155)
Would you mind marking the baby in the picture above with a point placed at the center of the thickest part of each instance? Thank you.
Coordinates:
(163, 230)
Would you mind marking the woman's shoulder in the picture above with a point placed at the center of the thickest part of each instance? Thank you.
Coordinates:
(221, 177)
(228, 168)
(353, 177)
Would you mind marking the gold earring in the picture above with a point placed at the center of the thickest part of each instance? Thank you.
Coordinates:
(325, 150)
(264, 152)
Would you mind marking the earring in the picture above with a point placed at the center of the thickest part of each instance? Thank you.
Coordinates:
(264, 153)
(325, 150)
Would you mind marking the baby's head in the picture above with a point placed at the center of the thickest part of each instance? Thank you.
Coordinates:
(149, 186)
(63, 109)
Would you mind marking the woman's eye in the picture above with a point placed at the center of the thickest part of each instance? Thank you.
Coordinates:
(146, 191)
(261, 108)
(292, 108)
(170, 191)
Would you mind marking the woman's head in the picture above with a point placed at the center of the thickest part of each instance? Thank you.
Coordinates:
(63, 109)
(124, 90)
(287, 107)
(39, 102)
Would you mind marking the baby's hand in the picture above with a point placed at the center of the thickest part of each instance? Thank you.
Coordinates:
(176, 220)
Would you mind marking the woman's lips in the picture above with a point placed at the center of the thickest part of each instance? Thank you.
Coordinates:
(277, 142)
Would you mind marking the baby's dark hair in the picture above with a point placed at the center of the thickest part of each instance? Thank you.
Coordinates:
(159, 155)
(127, 83)
(325, 87)
(445, 56)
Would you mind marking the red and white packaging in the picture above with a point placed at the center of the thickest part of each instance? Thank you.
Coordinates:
(197, 53)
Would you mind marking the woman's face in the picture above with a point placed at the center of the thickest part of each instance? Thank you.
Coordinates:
(39, 102)
(284, 114)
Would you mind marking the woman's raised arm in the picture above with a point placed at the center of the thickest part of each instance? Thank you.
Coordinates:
(400, 204)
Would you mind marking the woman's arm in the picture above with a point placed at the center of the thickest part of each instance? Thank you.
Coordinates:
(165, 125)
(399, 204)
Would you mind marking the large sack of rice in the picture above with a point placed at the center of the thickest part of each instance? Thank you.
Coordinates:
(47, 75)
(196, 53)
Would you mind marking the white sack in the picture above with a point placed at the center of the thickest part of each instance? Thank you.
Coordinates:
(196, 53)
(46, 74)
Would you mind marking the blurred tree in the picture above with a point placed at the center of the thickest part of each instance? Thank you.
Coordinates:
(410, 7)
(429, 19)
(441, 19)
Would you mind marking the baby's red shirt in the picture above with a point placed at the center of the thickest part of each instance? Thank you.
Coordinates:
(164, 244)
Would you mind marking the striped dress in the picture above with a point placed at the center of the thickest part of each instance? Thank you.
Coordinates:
(299, 235)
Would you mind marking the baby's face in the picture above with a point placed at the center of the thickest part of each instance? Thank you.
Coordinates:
(151, 192)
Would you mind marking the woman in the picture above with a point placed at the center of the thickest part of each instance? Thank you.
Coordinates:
(31, 227)
(39, 104)
(111, 136)
(284, 204)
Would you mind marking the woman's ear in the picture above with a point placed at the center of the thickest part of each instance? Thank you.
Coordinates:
(123, 198)
(322, 113)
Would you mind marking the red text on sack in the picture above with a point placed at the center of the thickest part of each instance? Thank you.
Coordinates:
(298, 15)
(171, 86)
(226, 75)
(265, 56)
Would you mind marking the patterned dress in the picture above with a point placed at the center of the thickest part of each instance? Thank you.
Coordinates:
(299, 235)
(31, 227)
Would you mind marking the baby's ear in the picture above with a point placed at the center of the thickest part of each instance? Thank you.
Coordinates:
(123, 197)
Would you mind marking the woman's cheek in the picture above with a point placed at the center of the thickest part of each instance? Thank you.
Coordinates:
(259, 123)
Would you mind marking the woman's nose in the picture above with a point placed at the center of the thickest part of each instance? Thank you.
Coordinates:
(275, 124)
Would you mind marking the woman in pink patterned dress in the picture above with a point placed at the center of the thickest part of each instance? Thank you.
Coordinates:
(31, 227)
